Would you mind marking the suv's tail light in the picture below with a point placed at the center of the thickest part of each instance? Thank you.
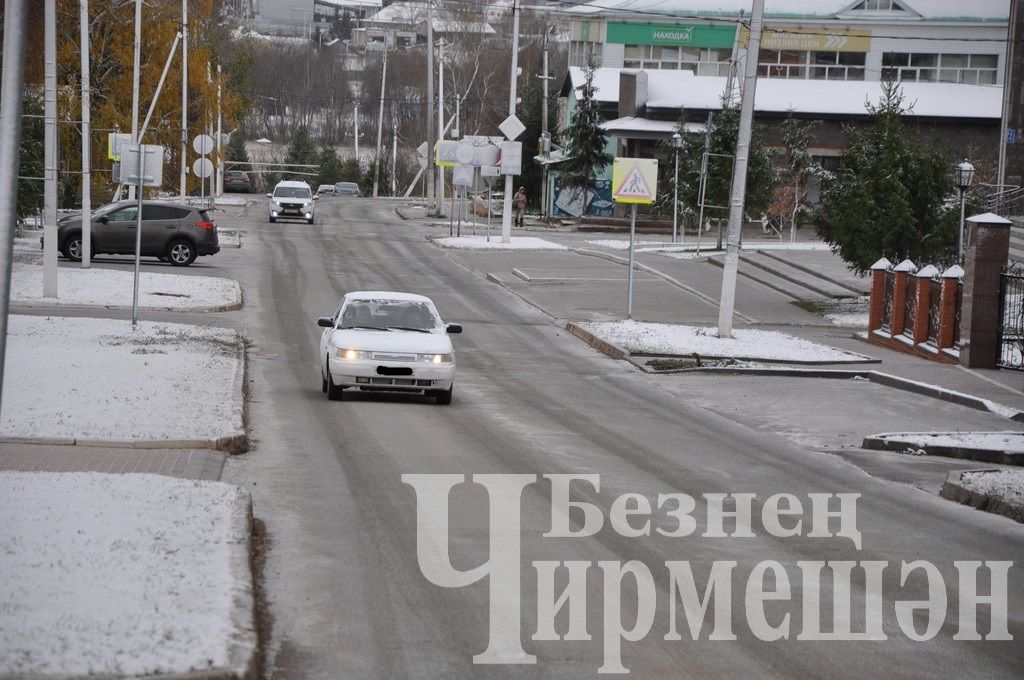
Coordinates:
(209, 226)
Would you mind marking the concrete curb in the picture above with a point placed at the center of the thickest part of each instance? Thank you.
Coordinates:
(954, 490)
(651, 270)
(402, 215)
(597, 343)
(881, 443)
(229, 307)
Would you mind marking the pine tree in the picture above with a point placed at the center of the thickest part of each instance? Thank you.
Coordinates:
(761, 176)
(30, 191)
(236, 149)
(349, 171)
(301, 151)
(531, 111)
(888, 197)
(585, 141)
(329, 171)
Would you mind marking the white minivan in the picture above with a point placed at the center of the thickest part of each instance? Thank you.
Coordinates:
(292, 200)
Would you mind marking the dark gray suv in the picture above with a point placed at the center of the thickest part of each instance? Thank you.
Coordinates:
(173, 232)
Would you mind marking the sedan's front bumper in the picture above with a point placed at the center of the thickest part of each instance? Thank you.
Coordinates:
(371, 374)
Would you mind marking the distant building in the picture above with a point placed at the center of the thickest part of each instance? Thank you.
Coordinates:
(405, 23)
(285, 14)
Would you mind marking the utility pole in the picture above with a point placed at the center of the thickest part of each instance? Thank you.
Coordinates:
(439, 185)
(430, 105)
(1005, 118)
(137, 67)
(380, 122)
(12, 82)
(220, 125)
(184, 98)
(49, 150)
(83, 21)
(739, 175)
(506, 212)
(394, 153)
(355, 133)
(545, 140)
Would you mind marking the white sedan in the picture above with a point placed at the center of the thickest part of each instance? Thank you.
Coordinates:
(396, 342)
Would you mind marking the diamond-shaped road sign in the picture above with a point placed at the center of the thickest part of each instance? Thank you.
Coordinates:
(512, 127)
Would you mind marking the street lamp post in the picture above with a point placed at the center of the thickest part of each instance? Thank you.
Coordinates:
(963, 175)
(677, 144)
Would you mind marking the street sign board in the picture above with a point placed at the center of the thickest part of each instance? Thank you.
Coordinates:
(152, 166)
(635, 180)
(490, 170)
(203, 144)
(202, 167)
(512, 127)
(422, 150)
(444, 153)
(511, 158)
(462, 176)
(116, 141)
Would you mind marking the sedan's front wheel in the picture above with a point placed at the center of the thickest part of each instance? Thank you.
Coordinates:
(445, 397)
(334, 392)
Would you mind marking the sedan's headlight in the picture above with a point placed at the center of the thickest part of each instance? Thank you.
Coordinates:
(351, 354)
(436, 358)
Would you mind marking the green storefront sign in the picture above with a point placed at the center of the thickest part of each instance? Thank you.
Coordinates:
(695, 35)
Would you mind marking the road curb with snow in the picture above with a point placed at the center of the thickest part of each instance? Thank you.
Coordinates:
(58, 307)
(986, 455)
(956, 490)
(602, 346)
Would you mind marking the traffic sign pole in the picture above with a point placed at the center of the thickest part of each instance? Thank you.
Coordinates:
(629, 284)
(634, 181)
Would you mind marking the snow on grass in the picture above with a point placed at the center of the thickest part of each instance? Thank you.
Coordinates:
(481, 243)
(119, 575)
(623, 244)
(113, 288)
(851, 320)
(98, 379)
(1009, 441)
(641, 337)
(1006, 485)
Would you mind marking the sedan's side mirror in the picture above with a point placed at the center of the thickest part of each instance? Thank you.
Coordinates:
(270, 195)
(453, 328)
(325, 322)
(102, 219)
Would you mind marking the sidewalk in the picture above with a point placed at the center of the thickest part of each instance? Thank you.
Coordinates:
(202, 464)
(572, 286)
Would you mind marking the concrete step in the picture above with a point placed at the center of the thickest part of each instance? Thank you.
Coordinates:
(797, 275)
(768, 279)
(824, 265)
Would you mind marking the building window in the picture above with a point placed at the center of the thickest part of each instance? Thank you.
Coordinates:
(879, 6)
(813, 65)
(976, 69)
(702, 61)
(580, 50)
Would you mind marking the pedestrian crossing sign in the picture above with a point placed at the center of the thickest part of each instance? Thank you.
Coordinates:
(634, 180)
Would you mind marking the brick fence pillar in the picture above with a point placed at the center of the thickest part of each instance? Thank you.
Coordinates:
(878, 271)
(899, 296)
(921, 303)
(986, 246)
(947, 306)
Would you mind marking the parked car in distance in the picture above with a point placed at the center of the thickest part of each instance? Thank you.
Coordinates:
(174, 232)
(237, 181)
(387, 341)
(325, 190)
(347, 189)
(292, 200)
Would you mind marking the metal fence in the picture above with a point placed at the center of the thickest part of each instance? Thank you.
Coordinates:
(910, 306)
(1011, 317)
(934, 311)
(888, 291)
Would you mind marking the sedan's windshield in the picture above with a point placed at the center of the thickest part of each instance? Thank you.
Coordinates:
(291, 192)
(388, 314)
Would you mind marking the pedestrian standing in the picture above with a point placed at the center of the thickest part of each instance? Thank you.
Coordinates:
(520, 203)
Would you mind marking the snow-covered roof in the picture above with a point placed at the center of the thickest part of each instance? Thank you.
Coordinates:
(930, 10)
(453, 26)
(401, 13)
(681, 89)
(634, 124)
(349, 3)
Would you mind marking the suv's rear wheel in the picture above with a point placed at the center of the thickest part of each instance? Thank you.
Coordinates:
(181, 252)
(72, 249)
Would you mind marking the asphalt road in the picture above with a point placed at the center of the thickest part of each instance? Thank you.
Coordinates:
(346, 593)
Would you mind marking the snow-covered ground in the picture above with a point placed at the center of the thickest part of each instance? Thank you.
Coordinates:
(1009, 441)
(786, 245)
(121, 575)
(641, 337)
(850, 320)
(480, 242)
(113, 288)
(623, 244)
(1007, 485)
(98, 379)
